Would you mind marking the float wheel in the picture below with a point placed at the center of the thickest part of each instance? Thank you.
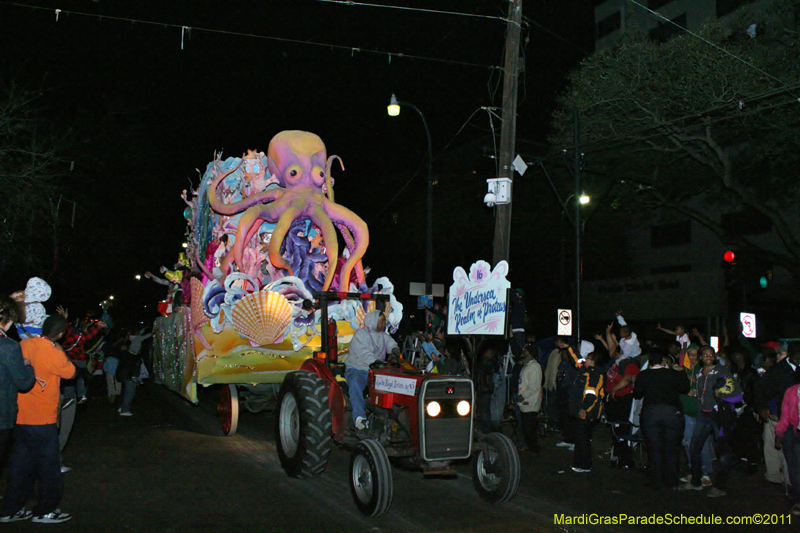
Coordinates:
(228, 409)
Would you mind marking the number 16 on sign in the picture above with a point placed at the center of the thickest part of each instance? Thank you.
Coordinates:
(565, 322)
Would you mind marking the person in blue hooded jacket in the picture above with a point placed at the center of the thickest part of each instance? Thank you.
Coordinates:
(16, 372)
(370, 344)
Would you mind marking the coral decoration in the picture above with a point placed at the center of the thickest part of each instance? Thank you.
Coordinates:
(199, 318)
(262, 316)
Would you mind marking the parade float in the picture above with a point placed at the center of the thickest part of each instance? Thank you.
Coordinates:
(263, 243)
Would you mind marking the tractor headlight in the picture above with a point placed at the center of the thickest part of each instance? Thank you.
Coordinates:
(433, 409)
(463, 407)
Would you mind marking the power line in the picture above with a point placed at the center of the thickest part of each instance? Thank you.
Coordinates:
(713, 45)
(183, 27)
(557, 36)
(601, 144)
(421, 10)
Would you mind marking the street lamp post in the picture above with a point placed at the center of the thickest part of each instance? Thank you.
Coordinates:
(577, 220)
(394, 109)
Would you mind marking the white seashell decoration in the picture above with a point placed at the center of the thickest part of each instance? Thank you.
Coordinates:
(261, 316)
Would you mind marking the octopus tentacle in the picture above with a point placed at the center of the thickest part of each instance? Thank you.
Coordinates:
(248, 225)
(321, 220)
(270, 195)
(213, 200)
(359, 229)
(288, 216)
(328, 166)
(351, 246)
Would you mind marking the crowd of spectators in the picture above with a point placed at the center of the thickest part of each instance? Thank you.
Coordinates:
(44, 374)
(710, 409)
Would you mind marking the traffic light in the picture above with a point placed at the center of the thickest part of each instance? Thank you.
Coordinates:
(729, 266)
(766, 278)
(729, 257)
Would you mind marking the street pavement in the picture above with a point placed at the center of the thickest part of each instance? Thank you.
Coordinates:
(170, 469)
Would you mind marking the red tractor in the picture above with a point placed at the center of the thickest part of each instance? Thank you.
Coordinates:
(417, 419)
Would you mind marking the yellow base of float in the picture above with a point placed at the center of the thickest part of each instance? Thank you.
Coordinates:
(232, 359)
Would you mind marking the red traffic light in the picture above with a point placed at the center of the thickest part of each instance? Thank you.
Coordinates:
(729, 256)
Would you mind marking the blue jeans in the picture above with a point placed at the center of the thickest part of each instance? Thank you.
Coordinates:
(662, 426)
(791, 450)
(77, 382)
(356, 383)
(128, 392)
(703, 430)
(34, 457)
(707, 455)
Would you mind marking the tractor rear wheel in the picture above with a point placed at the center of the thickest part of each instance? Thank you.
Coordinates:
(303, 425)
(371, 481)
(496, 469)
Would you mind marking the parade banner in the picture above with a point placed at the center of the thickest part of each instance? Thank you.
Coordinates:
(477, 303)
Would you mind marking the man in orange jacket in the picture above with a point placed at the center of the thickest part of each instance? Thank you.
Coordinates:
(35, 454)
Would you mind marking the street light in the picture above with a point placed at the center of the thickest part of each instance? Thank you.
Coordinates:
(576, 219)
(393, 109)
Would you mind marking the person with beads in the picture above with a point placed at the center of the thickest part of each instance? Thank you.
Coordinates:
(712, 383)
(35, 455)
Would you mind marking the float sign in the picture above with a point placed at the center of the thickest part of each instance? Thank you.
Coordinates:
(478, 301)
(748, 321)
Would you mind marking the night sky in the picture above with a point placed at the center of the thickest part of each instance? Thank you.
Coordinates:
(141, 114)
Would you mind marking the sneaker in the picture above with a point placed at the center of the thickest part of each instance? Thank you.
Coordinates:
(67, 403)
(795, 509)
(56, 517)
(706, 481)
(65, 469)
(685, 479)
(125, 413)
(715, 492)
(689, 486)
(83, 400)
(564, 444)
(22, 514)
(361, 423)
(581, 470)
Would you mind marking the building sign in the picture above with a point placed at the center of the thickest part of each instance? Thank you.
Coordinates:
(477, 303)
(748, 321)
(424, 301)
(564, 322)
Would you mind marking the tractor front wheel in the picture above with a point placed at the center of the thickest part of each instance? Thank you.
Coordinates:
(371, 481)
(496, 469)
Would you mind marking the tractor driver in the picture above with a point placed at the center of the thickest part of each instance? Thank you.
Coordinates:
(370, 344)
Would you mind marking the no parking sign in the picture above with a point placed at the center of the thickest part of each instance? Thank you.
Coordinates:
(565, 322)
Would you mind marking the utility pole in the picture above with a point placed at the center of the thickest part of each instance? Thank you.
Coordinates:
(576, 317)
(502, 222)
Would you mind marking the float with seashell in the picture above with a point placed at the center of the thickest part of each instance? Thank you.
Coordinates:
(249, 314)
